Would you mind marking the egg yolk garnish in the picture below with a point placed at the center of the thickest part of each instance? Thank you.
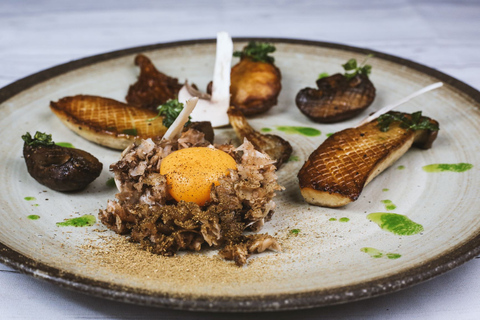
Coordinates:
(190, 172)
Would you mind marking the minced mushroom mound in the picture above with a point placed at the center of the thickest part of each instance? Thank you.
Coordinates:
(241, 202)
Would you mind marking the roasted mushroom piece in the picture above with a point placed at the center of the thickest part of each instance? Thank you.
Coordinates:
(153, 87)
(277, 148)
(59, 168)
(338, 170)
(255, 80)
(338, 97)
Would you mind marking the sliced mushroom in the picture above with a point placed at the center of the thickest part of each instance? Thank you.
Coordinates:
(337, 98)
(277, 148)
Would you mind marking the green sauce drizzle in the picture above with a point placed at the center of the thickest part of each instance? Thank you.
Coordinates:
(265, 129)
(332, 219)
(306, 131)
(295, 232)
(375, 253)
(400, 167)
(110, 183)
(395, 223)
(385, 189)
(453, 167)
(344, 219)
(389, 205)
(83, 221)
(30, 198)
(33, 217)
(64, 144)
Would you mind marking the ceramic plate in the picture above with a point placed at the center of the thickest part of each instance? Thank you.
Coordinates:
(329, 255)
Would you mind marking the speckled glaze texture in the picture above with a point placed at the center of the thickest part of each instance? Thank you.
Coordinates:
(320, 265)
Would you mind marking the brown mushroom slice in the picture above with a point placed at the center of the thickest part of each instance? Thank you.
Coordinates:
(60, 168)
(153, 88)
(277, 148)
(337, 98)
(255, 86)
(338, 170)
(106, 121)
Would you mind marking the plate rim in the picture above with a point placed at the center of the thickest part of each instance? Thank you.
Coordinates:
(446, 261)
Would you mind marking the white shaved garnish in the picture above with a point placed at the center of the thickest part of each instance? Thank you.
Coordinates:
(214, 109)
(402, 101)
(177, 126)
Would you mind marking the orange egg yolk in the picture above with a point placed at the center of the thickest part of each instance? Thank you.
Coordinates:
(191, 172)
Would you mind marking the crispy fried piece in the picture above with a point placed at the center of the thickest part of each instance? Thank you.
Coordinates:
(336, 98)
(106, 121)
(255, 86)
(277, 148)
(153, 88)
(247, 245)
(337, 171)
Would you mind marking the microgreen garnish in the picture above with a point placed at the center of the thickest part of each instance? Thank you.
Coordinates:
(257, 51)
(323, 75)
(130, 132)
(415, 122)
(39, 139)
(352, 68)
(295, 231)
(170, 111)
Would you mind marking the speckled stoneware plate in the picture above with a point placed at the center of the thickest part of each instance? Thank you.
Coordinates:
(329, 256)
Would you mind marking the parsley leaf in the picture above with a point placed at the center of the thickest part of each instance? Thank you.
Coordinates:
(39, 139)
(414, 122)
(170, 111)
(257, 51)
(351, 65)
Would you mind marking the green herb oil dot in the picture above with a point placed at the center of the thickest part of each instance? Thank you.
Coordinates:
(344, 219)
(265, 129)
(33, 217)
(389, 205)
(64, 144)
(293, 158)
(375, 253)
(400, 167)
(452, 167)
(83, 221)
(306, 131)
(385, 189)
(30, 198)
(395, 223)
(329, 134)
(332, 219)
(372, 252)
(111, 183)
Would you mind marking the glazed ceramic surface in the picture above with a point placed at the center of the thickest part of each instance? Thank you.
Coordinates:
(329, 255)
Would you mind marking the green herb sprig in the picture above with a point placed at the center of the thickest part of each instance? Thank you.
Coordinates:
(170, 111)
(39, 139)
(257, 51)
(415, 122)
(352, 68)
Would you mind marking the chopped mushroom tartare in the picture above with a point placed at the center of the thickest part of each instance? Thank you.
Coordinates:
(152, 213)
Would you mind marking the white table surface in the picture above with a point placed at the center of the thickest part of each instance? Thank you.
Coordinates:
(445, 35)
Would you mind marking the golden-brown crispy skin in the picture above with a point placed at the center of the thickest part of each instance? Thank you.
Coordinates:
(277, 148)
(106, 121)
(336, 98)
(255, 86)
(153, 88)
(336, 172)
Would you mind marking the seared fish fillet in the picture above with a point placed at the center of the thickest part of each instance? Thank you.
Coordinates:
(106, 121)
(336, 172)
